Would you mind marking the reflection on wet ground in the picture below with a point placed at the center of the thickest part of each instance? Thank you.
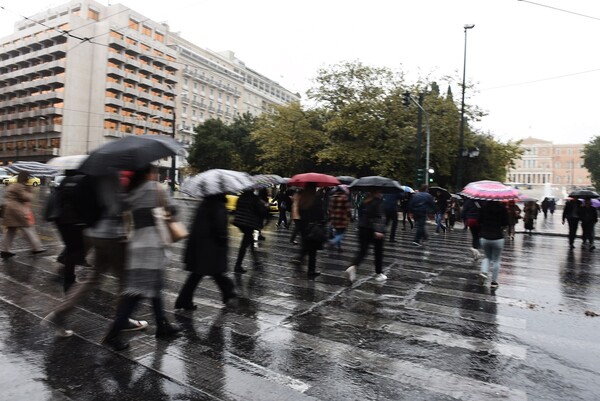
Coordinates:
(431, 332)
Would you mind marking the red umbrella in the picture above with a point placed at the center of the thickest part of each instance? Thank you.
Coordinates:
(321, 180)
(489, 190)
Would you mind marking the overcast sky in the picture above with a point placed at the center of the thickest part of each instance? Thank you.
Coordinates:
(536, 69)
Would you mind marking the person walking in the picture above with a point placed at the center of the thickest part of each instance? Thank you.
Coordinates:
(295, 216)
(514, 214)
(452, 213)
(312, 212)
(588, 215)
(404, 200)
(441, 204)
(371, 230)
(470, 215)
(18, 215)
(545, 207)
(340, 214)
(145, 258)
(531, 210)
(206, 251)
(493, 218)
(283, 201)
(250, 213)
(109, 241)
(572, 217)
(420, 204)
(390, 202)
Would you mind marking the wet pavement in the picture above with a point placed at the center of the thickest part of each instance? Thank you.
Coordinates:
(430, 332)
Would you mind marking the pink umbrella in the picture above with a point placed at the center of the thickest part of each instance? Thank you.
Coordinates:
(322, 180)
(489, 190)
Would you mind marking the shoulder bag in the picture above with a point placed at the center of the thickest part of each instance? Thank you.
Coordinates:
(170, 230)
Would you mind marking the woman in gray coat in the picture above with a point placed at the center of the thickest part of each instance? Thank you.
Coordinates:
(18, 215)
(146, 258)
(206, 251)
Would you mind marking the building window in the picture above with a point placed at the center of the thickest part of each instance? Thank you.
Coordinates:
(146, 30)
(159, 37)
(133, 24)
(93, 15)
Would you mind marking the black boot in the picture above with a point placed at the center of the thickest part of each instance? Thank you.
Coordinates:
(115, 341)
(166, 329)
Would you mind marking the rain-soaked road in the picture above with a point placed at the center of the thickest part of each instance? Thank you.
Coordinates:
(431, 332)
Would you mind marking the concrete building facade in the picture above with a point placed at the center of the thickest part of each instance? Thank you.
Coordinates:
(81, 74)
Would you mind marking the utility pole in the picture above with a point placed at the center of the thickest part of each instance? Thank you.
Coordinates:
(419, 140)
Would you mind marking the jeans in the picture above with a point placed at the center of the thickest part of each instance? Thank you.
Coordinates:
(439, 222)
(420, 224)
(337, 237)
(492, 249)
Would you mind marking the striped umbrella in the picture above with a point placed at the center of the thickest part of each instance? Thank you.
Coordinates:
(67, 162)
(266, 180)
(216, 181)
(489, 190)
(34, 168)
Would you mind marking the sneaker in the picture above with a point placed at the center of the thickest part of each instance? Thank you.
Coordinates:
(415, 243)
(52, 321)
(494, 285)
(380, 277)
(6, 255)
(38, 251)
(482, 277)
(351, 273)
(116, 343)
(134, 325)
(476, 253)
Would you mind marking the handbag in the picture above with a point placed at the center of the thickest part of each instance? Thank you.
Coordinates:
(169, 230)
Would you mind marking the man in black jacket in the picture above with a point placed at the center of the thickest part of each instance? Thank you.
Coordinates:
(250, 213)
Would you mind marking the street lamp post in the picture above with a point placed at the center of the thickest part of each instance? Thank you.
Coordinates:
(428, 140)
(461, 165)
(174, 157)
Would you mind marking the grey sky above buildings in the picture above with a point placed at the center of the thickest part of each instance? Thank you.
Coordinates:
(534, 67)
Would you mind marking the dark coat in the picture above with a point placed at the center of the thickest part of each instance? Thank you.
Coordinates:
(250, 211)
(493, 217)
(372, 215)
(207, 246)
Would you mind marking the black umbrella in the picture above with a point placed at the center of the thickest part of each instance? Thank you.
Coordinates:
(133, 152)
(584, 193)
(346, 179)
(382, 184)
(443, 192)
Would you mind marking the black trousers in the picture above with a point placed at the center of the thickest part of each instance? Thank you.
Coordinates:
(573, 224)
(392, 216)
(366, 237)
(186, 294)
(72, 236)
(475, 234)
(247, 241)
(126, 307)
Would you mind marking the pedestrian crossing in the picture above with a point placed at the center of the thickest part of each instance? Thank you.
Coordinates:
(430, 332)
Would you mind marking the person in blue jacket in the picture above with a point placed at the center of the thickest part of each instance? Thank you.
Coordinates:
(419, 205)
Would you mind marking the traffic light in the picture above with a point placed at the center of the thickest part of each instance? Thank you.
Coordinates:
(406, 99)
(420, 176)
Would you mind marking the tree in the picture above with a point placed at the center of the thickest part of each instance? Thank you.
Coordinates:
(289, 140)
(591, 160)
(211, 147)
(246, 150)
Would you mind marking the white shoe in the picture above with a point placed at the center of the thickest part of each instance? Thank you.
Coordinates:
(51, 321)
(482, 278)
(351, 273)
(380, 277)
(476, 253)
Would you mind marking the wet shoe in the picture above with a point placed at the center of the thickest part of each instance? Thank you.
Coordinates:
(6, 255)
(482, 277)
(351, 273)
(312, 275)
(261, 237)
(494, 285)
(227, 298)
(166, 329)
(38, 251)
(415, 243)
(592, 247)
(116, 343)
(185, 306)
(134, 325)
(476, 254)
(239, 270)
(380, 277)
(52, 321)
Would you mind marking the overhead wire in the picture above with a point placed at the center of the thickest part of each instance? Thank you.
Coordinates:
(541, 80)
(561, 9)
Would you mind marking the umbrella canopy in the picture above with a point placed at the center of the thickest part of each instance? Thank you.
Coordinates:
(34, 168)
(134, 152)
(382, 184)
(525, 198)
(216, 181)
(444, 193)
(266, 180)
(595, 202)
(67, 162)
(346, 179)
(456, 196)
(322, 180)
(407, 189)
(584, 193)
(489, 190)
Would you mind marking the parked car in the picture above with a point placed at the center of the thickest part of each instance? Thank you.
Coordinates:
(33, 181)
(55, 182)
(4, 174)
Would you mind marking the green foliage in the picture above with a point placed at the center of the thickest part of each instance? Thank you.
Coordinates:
(591, 160)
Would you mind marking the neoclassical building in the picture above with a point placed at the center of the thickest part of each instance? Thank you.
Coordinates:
(546, 163)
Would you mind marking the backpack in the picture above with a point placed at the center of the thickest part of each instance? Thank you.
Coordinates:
(76, 201)
(472, 215)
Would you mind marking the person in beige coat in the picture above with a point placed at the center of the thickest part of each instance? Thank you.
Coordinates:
(18, 214)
